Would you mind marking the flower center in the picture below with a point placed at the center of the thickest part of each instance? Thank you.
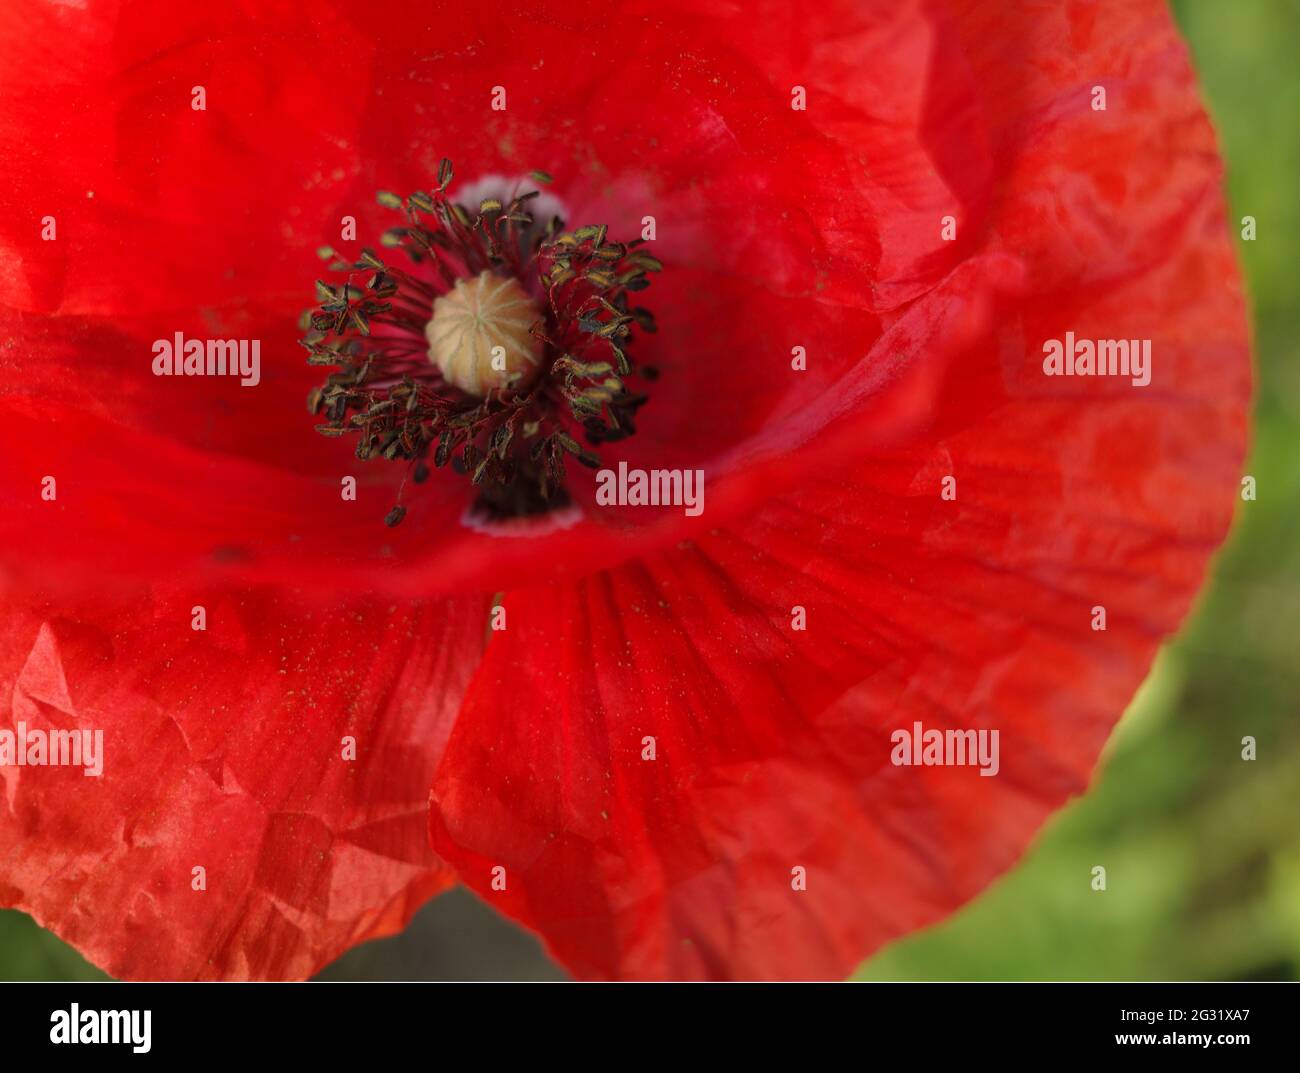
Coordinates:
(495, 352)
(480, 335)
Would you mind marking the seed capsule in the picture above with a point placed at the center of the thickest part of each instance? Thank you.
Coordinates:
(473, 319)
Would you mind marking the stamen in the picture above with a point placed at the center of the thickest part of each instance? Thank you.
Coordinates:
(415, 346)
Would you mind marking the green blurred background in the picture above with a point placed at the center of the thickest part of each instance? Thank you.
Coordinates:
(1201, 848)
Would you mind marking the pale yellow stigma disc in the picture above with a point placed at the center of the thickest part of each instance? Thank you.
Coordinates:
(478, 335)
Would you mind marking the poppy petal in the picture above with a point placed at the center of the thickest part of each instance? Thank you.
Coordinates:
(262, 798)
(798, 257)
(772, 746)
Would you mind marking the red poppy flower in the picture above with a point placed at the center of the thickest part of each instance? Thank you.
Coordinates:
(871, 219)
